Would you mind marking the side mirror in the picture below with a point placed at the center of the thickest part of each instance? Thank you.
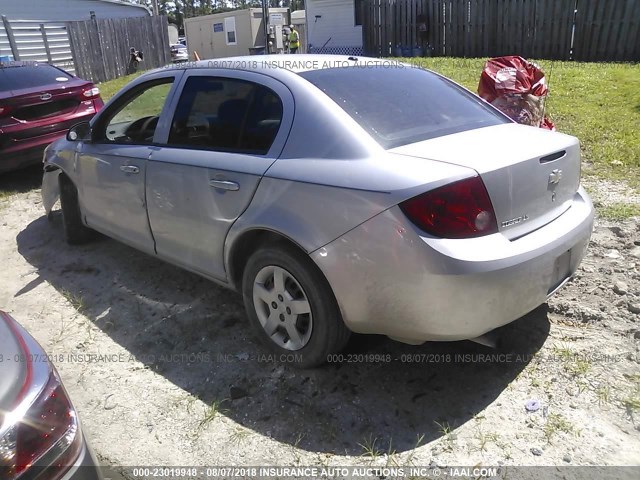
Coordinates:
(79, 131)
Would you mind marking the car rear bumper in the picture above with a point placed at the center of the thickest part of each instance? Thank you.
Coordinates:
(31, 154)
(23, 148)
(390, 278)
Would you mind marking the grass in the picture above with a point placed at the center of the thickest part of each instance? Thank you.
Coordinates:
(211, 412)
(603, 393)
(556, 423)
(370, 448)
(75, 300)
(597, 102)
(110, 88)
(572, 363)
(239, 436)
(484, 439)
(449, 438)
(632, 402)
(618, 211)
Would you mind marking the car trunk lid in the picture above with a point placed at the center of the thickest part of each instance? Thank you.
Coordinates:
(531, 174)
(39, 111)
(44, 102)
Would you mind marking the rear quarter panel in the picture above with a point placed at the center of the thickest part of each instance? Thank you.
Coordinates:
(313, 202)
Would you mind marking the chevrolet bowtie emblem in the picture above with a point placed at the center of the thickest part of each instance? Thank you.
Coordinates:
(555, 177)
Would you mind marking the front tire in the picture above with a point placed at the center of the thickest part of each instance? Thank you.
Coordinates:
(291, 307)
(75, 232)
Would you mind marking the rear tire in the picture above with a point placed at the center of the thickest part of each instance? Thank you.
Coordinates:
(75, 232)
(291, 307)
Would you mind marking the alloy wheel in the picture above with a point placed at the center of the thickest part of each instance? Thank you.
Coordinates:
(282, 307)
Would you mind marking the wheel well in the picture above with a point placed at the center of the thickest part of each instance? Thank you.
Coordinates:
(248, 243)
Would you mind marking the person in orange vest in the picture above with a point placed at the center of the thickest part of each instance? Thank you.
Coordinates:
(294, 39)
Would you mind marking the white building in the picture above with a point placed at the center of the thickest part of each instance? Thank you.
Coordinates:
(334, 26)
(69, 10)
(233, 33)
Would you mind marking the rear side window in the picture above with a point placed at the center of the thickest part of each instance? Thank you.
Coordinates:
(31, 76)
(398, 106)
(226, 114)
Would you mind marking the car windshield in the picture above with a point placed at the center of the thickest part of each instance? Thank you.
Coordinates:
(398, 105)
(30, 76)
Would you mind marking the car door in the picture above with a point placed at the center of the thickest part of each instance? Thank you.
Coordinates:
(112, 166)
(227, 128)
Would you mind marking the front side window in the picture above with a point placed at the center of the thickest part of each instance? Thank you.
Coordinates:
(136, 120)
(226, 114)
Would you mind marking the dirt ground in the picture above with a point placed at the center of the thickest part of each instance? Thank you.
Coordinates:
(163, 369)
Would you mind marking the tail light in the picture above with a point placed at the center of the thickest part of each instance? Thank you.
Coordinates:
(4, 111)
(458, 210)
(98, 104)
(41, 433)
(92, 92)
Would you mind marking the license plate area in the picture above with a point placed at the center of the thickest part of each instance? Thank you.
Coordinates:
(561, 271)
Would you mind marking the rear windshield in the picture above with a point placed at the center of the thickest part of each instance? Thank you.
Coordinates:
(30, 76)
(401, 105)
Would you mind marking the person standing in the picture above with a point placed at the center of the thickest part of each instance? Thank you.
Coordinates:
(294, 39)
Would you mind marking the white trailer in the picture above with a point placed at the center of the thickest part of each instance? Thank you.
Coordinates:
(234, 33)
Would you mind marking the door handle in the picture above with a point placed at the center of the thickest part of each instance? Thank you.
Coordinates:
(225, 185)
(130, 169)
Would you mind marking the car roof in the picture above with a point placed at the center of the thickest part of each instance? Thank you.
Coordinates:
(292, 63)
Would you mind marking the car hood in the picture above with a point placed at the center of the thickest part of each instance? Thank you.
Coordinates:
(13, 367)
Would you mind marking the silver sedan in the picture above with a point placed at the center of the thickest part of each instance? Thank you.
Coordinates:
(337, 194)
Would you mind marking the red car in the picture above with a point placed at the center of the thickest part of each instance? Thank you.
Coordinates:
(38, 104)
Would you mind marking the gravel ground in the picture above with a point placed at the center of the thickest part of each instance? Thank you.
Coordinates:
(164, 371)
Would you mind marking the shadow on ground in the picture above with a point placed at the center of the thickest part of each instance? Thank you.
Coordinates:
(196, 335)
(21, 180)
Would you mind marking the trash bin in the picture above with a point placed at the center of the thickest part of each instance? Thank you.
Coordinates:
(257, 50)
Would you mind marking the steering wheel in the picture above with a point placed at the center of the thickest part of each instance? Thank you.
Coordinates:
(142, 129)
